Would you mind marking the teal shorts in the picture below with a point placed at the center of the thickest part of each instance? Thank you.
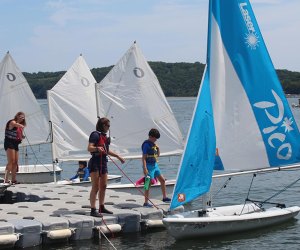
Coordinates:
(153, 170)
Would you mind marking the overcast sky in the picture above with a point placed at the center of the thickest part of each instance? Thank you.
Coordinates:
(49, 35)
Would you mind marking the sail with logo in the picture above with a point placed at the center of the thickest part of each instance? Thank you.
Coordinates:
(131, 97)
(16, 95)
(73, 116)
(241, 122)
(72, 111)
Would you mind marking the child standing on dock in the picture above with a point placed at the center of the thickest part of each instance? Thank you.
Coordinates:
(150, 156)
(13, 137)
(99, 148)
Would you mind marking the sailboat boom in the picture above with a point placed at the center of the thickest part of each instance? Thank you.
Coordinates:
(262, 170)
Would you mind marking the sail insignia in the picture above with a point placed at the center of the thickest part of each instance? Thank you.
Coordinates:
(16, 95)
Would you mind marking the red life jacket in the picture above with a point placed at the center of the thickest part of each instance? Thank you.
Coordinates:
(103, 141)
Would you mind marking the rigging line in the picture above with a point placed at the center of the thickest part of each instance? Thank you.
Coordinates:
(100, 171)
(132, 182)
(253, 176)
(37, 160)
(126, 164)
(281, 191)
(223, 186)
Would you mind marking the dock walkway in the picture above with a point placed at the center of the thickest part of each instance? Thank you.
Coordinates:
(34, 214)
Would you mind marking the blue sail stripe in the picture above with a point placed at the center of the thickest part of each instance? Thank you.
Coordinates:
(247, 51)
(270, 112)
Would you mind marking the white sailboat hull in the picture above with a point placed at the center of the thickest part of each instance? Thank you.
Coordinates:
(111, 180)
(155, 190)
(226, 220)
(35, 173)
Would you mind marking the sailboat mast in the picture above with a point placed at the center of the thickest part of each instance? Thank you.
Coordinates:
(51, 132)
(97, 101)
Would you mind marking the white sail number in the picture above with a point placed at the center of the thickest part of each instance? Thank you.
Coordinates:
(274, 134)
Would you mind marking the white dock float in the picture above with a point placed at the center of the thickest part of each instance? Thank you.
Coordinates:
(8, 237)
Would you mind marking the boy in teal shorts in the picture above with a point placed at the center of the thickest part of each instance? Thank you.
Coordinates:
(150, 167)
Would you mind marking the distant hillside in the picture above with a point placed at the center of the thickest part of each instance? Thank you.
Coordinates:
(176, 79)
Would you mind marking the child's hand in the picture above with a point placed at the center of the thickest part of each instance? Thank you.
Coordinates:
(122, 160)
(145, 171)
(101, 149)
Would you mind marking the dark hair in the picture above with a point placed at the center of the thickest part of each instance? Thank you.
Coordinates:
(84, 163)
(101, 121)
(154, 133)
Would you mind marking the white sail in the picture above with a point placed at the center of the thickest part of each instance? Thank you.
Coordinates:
(131, 97)
(16, 95)
(72, 111)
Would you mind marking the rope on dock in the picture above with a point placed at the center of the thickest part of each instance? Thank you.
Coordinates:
(101, 232)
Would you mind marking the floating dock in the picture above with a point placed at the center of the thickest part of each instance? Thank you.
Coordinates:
(34, 214)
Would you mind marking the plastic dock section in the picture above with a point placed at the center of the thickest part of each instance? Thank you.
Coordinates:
(35, 214)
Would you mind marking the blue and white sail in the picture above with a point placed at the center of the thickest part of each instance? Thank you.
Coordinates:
(254, 125)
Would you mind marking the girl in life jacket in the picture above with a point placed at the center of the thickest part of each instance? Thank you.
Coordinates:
(13, 137)
(99, 148)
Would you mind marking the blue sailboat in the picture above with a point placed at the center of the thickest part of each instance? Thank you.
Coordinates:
(241, 123)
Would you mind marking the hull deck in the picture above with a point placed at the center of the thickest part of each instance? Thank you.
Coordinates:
(226, 220)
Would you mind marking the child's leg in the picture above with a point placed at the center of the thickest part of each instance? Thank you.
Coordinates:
(163, 185)
(147, 195)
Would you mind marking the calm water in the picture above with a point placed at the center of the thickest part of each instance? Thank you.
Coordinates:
(285, 236)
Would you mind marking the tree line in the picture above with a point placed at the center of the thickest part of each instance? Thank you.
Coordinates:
(176, 79)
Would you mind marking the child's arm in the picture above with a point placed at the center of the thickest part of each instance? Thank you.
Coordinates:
(145, 170)
(117, 156)
(86, 174)
(158, 150)
(74, 177)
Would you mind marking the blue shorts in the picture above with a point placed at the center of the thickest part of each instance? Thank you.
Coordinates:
(153, 170)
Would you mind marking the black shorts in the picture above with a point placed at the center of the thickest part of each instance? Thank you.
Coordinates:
(12, 144)
(96, 166)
